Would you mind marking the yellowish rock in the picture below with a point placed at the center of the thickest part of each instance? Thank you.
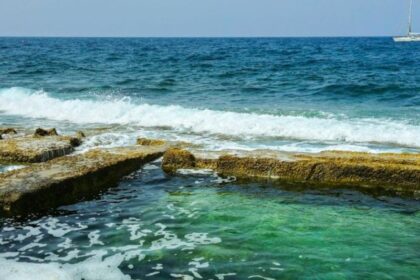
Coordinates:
(396, 173)
(36, 149)
(150, 142)
(67, 179)
(176, 158)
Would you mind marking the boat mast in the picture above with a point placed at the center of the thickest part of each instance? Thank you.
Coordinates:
(410, 16)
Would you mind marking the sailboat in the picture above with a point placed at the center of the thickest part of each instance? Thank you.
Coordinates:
(411, 36)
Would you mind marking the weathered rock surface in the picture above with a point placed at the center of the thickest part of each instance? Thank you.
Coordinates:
(396, 173)
(36, 149)
(68, 179)
(150, 142)
(159, 142)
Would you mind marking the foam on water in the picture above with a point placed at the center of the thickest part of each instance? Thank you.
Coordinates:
(93, 268)
(10, 168)
(38, 104)
(97, 264)
(153, 228)
(107, 140)
(195, 171)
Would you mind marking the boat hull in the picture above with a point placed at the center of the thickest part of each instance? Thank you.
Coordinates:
(407, 39)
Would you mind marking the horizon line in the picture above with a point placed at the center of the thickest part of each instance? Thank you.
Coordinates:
(199, 37)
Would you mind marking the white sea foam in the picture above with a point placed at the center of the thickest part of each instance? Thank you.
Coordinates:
(107, 140)
(199, 172)
(38, 104)
(94, 238)
(10, 168)
(93, 268)
(92, 264)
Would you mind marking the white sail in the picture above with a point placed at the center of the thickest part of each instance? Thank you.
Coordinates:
(410, 18)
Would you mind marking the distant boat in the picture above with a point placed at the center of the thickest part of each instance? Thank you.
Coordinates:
(411, 36)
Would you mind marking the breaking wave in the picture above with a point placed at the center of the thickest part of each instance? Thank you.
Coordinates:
(38, 104)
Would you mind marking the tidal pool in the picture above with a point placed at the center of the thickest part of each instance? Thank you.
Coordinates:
(199, 226)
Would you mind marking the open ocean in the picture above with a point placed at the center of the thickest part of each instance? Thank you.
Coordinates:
(300, 94)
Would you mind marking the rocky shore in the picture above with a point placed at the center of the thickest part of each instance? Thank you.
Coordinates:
(68, 179)
(43, 145)
(397, 174)
(53, 176)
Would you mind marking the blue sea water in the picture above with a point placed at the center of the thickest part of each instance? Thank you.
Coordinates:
(300, 94)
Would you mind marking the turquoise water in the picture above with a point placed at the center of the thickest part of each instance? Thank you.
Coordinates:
(311, 95)
(197, 227)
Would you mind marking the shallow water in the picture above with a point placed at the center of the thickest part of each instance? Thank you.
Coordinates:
(198, 226)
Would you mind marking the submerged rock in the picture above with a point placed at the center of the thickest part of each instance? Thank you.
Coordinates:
(68, 179)
(396, 173)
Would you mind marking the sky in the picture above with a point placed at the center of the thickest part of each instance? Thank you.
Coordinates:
(205, 18)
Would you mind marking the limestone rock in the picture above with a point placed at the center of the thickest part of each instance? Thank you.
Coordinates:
(176, 158)
(68, 179)
(393, 173)
(150, 142)
(36, 149)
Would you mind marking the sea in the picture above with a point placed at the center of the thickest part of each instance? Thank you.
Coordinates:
(286, 94)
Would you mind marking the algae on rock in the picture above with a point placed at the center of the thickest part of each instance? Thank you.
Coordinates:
(397, 173)
(150, 142)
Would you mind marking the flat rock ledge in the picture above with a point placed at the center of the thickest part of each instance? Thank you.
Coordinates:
(68, 179)
(396, 174)
(30, 149)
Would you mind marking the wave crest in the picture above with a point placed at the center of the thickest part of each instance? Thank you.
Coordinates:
(38, 104)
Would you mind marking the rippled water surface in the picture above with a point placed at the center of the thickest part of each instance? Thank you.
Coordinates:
(201, 227)
(285, 94)
(310, 95)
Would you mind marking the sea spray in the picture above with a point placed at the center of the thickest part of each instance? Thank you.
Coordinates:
(39, 104)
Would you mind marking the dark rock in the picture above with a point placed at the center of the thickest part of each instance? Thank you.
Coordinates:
(8, 130)
(45, 132)
(75, 141)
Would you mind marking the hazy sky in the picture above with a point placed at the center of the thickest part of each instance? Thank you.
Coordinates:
(205, 17)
